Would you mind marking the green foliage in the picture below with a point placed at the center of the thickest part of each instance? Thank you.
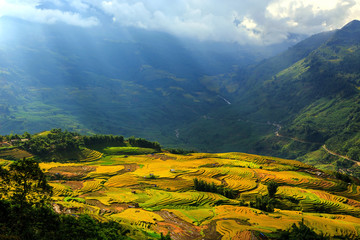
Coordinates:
(316, 99)
(343, 177)
(86, 227)
(301, 232)
(143, 143)
(264, 203)
(166, 237)
(27, 222)
(272, 188)
(203, 186)
(25, 213)
(128, 150)
(108, 140)
(179, 151)
(152, 176)
(42, 223)
(57, 141)
(25, 183)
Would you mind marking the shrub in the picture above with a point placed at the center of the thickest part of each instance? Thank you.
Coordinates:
(264, 203)
(272, 188)
(301, 232)
(211, 187)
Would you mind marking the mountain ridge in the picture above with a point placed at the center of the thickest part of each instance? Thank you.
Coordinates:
(163, 89)
(312, 94)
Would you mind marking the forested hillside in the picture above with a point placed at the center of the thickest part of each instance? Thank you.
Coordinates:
(314, 102)
(213, 98)
(129, 82)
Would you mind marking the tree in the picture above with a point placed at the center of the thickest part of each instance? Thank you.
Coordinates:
(25, 183)
(24, 196)
(4, 186)
(26, 135)
(272, 188)
(24, 213)
(166, 237)
(264, 203)
(301, 232)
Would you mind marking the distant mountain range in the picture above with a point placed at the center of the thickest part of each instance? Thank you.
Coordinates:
(310, 94)
(207, 96)
(104, 80)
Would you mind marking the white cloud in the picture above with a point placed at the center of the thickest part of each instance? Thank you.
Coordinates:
(308, 16)
(27, 10)
(79, 5)
(257, 21)
(245, 21)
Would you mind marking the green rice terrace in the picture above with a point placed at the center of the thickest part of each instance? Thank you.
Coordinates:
(154, 192)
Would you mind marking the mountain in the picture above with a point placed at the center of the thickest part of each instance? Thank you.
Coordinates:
(310, 95)
(213, 97)
(253, 109)
(302, 103)
(105, 80)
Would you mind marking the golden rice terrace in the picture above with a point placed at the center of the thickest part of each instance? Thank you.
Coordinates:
(155, 193)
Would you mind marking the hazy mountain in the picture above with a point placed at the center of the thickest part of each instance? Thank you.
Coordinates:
(292, 104)
(106, 80)
(310, 93)
(204, 95)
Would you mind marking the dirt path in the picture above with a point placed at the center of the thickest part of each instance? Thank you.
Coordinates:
(179, 229)
(294, 139)
(323, 146)
(338, 155)
(278, 128)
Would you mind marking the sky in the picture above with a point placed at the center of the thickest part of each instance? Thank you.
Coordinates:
(260, 22)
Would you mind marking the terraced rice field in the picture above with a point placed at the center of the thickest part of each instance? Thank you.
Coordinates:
(92, 186)
(14, 154)
(155, 193)
(90, 155)
(138, 216)
(60, 189)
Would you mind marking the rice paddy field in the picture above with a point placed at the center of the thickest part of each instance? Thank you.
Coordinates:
(155, 193)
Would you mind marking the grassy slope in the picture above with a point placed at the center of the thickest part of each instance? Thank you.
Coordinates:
(314, 99)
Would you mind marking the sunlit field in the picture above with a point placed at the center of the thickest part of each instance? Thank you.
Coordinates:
(155, 193)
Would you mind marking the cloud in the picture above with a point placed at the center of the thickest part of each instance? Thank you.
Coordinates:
(28, 10)
(246, 21)
(256, 21)
(308, 16)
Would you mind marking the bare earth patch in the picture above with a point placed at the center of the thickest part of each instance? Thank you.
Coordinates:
(72, 171)
(113, 208)
(74, 184)
(161, 157)
(178, 228)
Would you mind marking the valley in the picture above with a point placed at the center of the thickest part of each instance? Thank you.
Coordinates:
(244, 130)
(196, 100)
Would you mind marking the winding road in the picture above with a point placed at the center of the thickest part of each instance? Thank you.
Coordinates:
(338, 155)
(278, 126)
